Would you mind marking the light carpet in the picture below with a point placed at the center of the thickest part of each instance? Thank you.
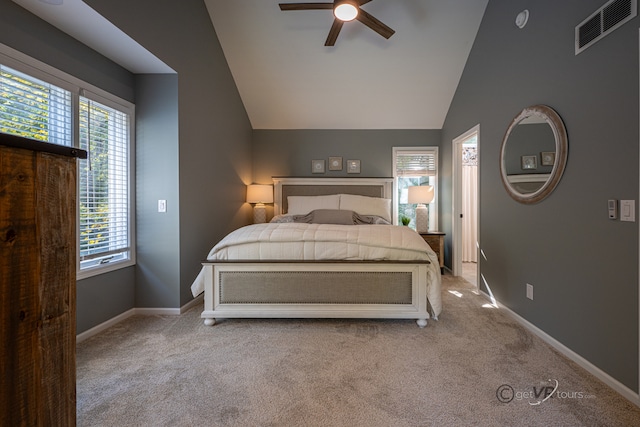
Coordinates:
(459, 370)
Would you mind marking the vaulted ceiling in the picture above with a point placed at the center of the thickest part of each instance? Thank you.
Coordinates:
(288, 79)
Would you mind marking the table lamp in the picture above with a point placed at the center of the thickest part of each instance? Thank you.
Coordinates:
(422, 195)
(259, 194)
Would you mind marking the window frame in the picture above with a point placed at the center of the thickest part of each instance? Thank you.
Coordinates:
(34, 68)
(434, 223)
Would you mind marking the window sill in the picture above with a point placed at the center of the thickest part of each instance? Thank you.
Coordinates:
(98, 270)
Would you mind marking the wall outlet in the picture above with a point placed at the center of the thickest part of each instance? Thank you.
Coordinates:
(530, 291)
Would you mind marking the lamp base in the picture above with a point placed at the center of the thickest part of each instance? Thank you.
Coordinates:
(259, 214)
(422, 218)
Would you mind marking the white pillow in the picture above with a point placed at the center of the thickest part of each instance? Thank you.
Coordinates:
(302, 205)
(366, 205)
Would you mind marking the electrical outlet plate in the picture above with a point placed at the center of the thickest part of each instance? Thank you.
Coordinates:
(628, 210)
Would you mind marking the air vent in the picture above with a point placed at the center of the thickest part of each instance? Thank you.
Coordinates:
(603, 21)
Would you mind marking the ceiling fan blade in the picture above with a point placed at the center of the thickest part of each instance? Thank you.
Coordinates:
(364, 2)
(333, 32)
(305, 6)
(373, 23)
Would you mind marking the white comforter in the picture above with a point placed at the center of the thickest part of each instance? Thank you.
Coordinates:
(298, 241)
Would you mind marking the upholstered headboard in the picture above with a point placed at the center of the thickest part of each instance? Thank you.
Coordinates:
(284, 187)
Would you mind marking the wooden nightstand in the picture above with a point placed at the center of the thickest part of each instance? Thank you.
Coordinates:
(435, 239)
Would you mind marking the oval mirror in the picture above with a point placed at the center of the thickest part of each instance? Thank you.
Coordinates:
(533, 154)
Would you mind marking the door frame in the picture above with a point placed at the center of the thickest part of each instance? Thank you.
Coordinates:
(638, 395)
(456, 234)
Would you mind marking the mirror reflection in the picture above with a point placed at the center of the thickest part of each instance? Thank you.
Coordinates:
(533, 154)
(526, 166)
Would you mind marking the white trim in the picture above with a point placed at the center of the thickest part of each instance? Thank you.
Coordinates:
(433, 213)
(456, 203)
(138, 311)
(104, 325)
(112, 102)
(616, 385)
(150, 311)
(102, 269)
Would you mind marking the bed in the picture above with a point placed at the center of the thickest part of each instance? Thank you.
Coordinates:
(309, 263)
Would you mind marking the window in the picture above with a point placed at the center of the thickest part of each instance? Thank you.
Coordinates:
(32, 108)
(49, 108)
(414, 166)
(103, 177)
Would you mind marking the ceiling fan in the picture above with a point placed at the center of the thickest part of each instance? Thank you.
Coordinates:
(344, 11)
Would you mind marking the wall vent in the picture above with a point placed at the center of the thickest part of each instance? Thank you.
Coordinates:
(604, 21)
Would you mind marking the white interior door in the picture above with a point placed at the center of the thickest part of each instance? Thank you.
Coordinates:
(466, 191)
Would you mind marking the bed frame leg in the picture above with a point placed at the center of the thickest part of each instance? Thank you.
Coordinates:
(209, 321)
(422, 322)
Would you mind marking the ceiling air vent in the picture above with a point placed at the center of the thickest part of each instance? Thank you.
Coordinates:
(603, 21)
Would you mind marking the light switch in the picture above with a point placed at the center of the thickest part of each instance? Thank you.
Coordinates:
(628, 210)
(162, 206)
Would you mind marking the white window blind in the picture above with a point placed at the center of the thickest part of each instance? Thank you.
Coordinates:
(104, 184)
(415, 164)
(34, 109)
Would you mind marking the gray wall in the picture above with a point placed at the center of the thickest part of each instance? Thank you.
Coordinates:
(158, 253)
(29, 34)
(289, 152)
(101, 297)
(214, 149)
(584, 267)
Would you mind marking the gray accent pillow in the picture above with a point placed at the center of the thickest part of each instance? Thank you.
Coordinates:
(335, 216)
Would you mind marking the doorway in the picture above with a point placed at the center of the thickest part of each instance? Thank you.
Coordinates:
(466, 190)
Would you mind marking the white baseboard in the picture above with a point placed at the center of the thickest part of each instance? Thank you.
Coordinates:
(142, 311)
(104, 325)
(622, 389)
(157, 311)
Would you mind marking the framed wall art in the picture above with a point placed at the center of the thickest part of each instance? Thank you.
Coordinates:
(529, 162)
(317, 166)
(547, 158)
(353, 166)
(335, 163)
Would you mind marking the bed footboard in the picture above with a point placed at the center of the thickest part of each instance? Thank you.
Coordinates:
(344, 289)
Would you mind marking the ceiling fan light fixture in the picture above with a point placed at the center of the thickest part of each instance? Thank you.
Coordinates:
(343, 11)
(346, 11)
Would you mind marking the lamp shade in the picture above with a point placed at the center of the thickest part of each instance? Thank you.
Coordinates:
(421, 194)
(257, 193)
